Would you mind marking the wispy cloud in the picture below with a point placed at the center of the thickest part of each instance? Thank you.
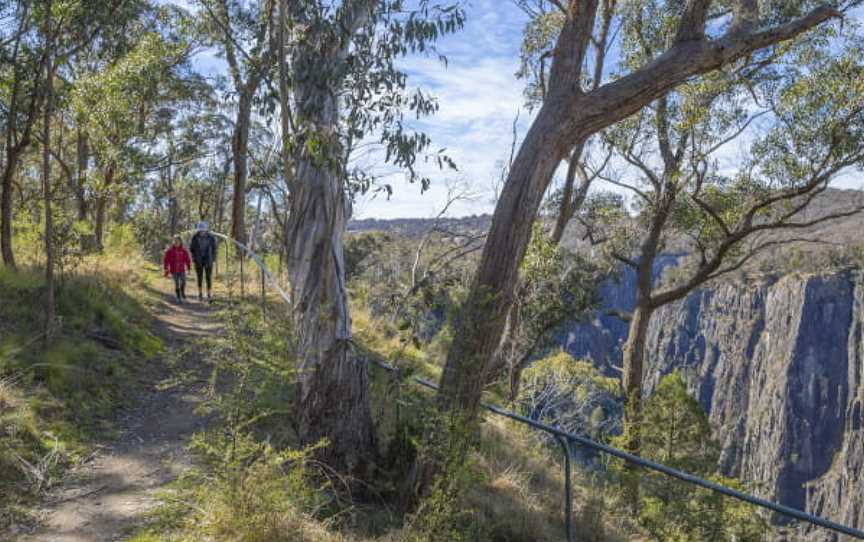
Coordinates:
(479, 97)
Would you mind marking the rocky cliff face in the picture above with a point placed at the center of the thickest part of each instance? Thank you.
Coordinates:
(778, 367)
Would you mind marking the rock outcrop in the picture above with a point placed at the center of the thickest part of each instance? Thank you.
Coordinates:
(777, 364)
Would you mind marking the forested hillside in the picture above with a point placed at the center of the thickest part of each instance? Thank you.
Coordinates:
(200, 340)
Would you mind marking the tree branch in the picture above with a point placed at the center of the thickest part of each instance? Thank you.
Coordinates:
(621, 98)
(692, 23)
(571, 47)
(625, 316)
(745, 15)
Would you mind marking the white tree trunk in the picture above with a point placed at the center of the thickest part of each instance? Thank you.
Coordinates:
(333, 400)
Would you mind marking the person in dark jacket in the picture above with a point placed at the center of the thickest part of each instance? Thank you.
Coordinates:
(176, 263)
(203, 248)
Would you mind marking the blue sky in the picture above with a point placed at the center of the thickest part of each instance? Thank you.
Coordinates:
(479, 96)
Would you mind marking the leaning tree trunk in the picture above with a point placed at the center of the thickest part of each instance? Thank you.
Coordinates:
(568, 117)
(471, 359)
(333, 401)
(240, 148)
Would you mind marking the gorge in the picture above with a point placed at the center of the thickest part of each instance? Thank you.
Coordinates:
(777, 364)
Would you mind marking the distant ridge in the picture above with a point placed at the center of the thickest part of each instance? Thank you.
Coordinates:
(416, 227)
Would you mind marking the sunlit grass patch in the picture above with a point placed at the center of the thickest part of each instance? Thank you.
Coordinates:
(59, 390)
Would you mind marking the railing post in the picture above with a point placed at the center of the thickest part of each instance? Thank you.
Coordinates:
(568, 487)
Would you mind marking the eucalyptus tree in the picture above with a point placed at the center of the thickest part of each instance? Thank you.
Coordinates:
(708, 35)
(803, 126)
(116, 39)
(21, 73)
(244, 32)
(78, 27)
(115, 105)
(345, 86)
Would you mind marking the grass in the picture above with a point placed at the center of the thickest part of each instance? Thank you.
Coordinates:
(515, 493)
(58, 392)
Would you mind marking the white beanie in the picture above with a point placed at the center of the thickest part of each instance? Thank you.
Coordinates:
(202, 226)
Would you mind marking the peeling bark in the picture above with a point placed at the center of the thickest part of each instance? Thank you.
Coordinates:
(333, 398)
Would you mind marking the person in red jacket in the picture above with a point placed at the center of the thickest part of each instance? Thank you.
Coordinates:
(176, 262)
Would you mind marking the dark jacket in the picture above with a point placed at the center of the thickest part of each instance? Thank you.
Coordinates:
(176, 260)
(203, 248)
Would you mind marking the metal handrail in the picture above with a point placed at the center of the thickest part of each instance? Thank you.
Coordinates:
(636, 460)
(257, 259)
(565, 439)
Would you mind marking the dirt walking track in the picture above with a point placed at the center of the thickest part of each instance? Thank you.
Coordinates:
(106, 498)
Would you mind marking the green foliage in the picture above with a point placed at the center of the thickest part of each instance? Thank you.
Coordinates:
(414, 306)
(539, 37)
(555, 287)
(572, 395)
(110, 102)
(252, 374)
(361, 248)
(676, 432)
(371, 85)
(442, 515)
(250, 492)
(121, 241)
(257, 492)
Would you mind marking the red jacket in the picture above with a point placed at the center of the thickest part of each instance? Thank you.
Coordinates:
(176, 260)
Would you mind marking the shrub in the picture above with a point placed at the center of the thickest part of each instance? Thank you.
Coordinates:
(676, 432)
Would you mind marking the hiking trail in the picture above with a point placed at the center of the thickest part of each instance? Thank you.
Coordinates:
(106, 498)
